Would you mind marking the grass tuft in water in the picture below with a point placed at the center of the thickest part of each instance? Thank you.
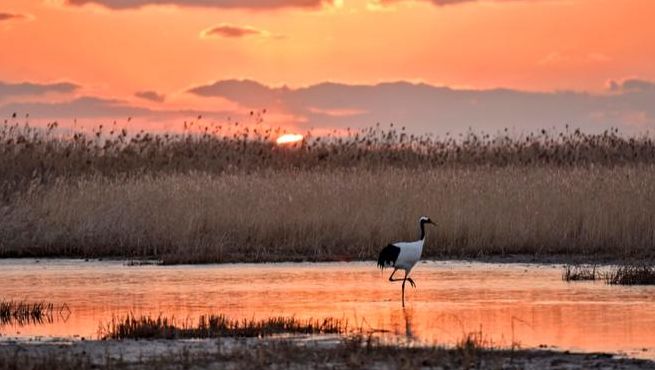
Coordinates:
(632, 275)
(24, 313)
(215, 326)
(580, 273)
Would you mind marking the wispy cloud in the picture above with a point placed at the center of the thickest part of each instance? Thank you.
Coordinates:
(233, 31)
(93, 108)
(29, 88)
(243, 4)
(151, 95)
(5, 16)
(84, 107)
(379, 4)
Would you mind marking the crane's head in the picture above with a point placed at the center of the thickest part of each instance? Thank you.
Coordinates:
(426, 220)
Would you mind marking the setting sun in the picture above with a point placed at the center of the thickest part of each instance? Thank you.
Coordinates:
(288, 138)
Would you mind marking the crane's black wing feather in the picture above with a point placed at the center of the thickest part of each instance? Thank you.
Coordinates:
(388, 256)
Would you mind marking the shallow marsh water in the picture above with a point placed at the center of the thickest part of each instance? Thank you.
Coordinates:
(508, 304)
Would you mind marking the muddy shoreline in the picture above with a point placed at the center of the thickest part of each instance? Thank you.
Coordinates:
(289, 352)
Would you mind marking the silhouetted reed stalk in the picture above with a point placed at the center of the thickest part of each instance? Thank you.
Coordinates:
(214, 326)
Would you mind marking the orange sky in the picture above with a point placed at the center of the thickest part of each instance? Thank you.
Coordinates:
(114, 50)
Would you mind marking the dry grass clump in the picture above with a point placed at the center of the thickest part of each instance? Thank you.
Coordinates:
(330, 215)
(624, 274)
(24, 313)
(632, 275)
(215, 326)
(580, 273)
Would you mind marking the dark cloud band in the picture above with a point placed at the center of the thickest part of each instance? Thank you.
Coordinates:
(151, 95)
(28, 88)
(231, 31)
(426, 108)
(243, 4)
(11, 16)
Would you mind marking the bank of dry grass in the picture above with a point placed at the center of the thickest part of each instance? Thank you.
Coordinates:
(337, 214)
(215, 326)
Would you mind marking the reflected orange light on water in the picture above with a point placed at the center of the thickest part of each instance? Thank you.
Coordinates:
(508, 304)
(288, 139)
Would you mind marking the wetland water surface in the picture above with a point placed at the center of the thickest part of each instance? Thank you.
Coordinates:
(507, 303)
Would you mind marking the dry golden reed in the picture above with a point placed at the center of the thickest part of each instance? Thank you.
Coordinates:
(35, 155)
(337, 214)
(215, 193)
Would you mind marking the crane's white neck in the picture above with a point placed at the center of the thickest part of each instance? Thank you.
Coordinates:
(421, 230)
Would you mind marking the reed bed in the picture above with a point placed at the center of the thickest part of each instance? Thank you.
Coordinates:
(29, 154)
(25, 313)
(337, 215)
(215, 326)
(227, 193)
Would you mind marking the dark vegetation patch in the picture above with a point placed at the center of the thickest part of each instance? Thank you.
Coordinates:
(622, 274)
(632, 275)
(26, 313)
(580, 273)
(215, 326)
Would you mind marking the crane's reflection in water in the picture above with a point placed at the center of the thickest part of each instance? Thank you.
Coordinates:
(409, 334)
(507, 304)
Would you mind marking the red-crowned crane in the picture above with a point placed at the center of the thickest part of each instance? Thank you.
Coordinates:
(404, 255)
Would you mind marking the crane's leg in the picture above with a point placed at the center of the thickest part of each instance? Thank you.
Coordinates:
(411, 282)
(391, 277)
(404, 281)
